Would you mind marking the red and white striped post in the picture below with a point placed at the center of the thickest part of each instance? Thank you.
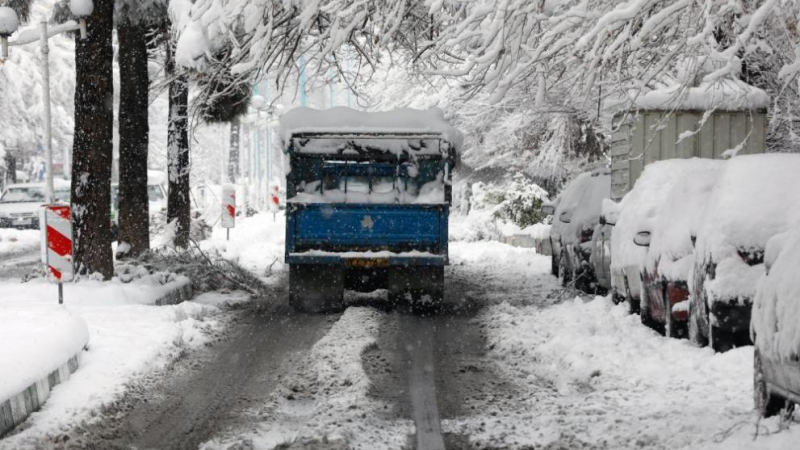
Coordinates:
(228, 208)
(274, 200)
(57, 227)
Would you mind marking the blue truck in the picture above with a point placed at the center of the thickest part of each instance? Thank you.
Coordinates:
(368, 200)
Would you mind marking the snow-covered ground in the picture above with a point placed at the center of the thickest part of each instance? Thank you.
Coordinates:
(256, 243)
(587, 374)
(128, 338)
(18, 241)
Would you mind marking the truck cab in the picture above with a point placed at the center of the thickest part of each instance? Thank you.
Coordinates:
(367, 208)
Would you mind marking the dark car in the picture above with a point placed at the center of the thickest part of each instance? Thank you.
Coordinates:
(755, 198)
(775, 326)
(574, 222)
(665, 288)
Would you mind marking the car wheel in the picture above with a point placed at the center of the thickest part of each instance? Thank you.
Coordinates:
(720, 340)
(554, 263)
(697, 311)
(563, 271)
(766, 403)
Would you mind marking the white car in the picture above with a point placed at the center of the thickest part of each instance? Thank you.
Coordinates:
(775, 326)
(755, 198)
(20, 203)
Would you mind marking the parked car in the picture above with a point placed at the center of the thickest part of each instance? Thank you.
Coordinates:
(630, 236)
(755, 198)
(575, 219)
(775, 326)
(665, 289)
(156, 197)
(20, 203)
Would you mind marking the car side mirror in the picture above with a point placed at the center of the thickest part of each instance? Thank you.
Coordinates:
(548, 210)
(565, 217)
(642, 239)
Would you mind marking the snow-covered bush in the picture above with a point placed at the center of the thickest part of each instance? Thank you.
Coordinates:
(520, 202)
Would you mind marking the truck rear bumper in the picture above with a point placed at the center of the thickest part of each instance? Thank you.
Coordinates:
(368, 259)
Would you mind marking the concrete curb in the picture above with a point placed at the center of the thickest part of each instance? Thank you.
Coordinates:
(180, 294)
(15, 410)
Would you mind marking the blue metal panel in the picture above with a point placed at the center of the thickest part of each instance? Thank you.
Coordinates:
(299, 258)
(369, 226)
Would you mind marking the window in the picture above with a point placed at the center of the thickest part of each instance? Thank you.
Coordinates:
(23, 195)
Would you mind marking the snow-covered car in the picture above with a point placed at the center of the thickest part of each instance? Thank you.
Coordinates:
(574, 222)
(20, 203)
(631, 233)
(755, 198)
(775, 326)
(665, 289)
(156, 197)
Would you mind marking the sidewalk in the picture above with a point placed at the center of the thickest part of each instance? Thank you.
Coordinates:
(128, 336)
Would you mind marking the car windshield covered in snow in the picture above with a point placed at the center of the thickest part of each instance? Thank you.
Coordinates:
(23, 195)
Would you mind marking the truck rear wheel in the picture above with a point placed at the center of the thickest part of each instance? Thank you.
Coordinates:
(316, 288)
(422, 287)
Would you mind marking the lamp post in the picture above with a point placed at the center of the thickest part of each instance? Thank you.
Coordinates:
(9, 22)
(81, 9)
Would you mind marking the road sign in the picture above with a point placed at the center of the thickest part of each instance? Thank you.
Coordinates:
(58, 236)
(228, 206)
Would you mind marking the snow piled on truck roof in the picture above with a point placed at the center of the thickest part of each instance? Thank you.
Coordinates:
(341, 119)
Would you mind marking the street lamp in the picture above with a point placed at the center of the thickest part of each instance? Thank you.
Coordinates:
(9, 22)
(81, 9)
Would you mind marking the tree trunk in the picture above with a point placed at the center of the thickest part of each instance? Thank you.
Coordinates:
(92, 145)
(233, 156)
(134, 212)
(178, 206)
(11, 168)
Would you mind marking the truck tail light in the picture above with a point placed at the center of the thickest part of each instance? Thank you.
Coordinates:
(586, 235)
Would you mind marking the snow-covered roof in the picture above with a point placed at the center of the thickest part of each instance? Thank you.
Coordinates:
(725, 95)
(640, 208)
(341, 119)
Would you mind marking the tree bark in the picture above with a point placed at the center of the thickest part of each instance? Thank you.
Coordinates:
(134, 212)
(178, 168)
(233, 156)
(92, 145)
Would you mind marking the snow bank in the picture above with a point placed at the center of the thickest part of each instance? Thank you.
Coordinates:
(589, 375)
(17, 241)
(37, 339)
(128, 338)
(343, 119)
(776, 308)
(679, 218)
(257, 244)
(755, 197)
(726, 95)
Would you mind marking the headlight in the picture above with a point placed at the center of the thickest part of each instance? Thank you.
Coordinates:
(4, 215)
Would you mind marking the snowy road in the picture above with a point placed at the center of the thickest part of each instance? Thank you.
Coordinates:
(511, 362)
